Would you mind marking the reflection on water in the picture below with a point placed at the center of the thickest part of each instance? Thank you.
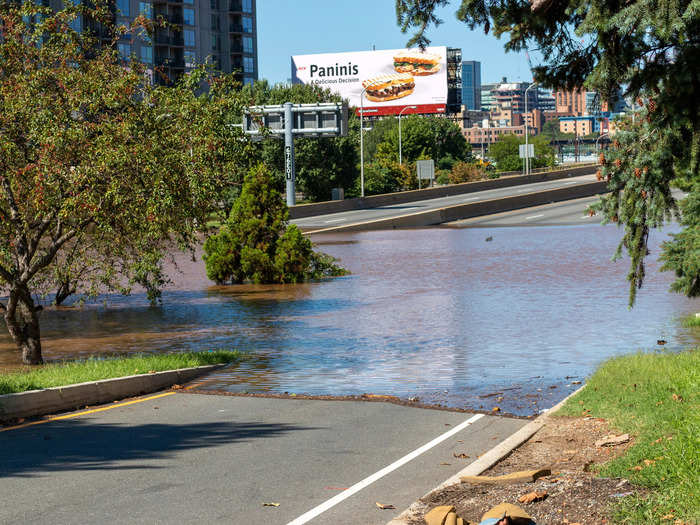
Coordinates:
(436, 313)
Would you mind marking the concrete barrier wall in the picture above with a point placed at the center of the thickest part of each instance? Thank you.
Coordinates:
(476, 209)
(323, 208)
(71, 397)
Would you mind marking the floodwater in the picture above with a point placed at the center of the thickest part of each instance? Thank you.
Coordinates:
(436, 313)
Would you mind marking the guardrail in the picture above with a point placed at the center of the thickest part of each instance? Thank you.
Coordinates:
(323, 208)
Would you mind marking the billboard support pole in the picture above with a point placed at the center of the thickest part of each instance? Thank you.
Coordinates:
(362, 144)
(289, 154)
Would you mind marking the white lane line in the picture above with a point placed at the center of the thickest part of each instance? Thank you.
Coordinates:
(586, 217)
(334, 220)
(523, 191)
(470, 199)
(323, 507)
(534, 216)
(572, 182)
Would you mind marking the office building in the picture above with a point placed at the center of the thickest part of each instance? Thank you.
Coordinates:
(471, 84)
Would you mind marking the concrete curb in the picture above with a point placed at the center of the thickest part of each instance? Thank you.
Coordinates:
(486, 461)
(473, 209)
(71, 397)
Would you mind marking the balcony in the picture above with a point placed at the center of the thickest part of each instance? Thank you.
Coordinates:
(235, 28)
(236, 46)
(235, 6)
(168, 40)
(170, 62)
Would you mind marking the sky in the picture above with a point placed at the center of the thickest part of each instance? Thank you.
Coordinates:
(299, 27)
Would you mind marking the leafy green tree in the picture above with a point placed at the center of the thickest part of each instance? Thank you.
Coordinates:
(321, 163)
(427, 138)
(505, 151)
(647, 48)
(257, 243)
(552, 130)
(98, 169)
(388, 176)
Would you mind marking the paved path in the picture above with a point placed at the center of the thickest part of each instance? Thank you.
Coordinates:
(397, 210)
(190, 458)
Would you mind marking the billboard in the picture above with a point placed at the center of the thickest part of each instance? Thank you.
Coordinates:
(388, 81)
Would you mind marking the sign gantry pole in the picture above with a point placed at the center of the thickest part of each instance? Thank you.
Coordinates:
(289, 172)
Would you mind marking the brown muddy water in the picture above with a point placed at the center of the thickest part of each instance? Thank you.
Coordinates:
(438, 314)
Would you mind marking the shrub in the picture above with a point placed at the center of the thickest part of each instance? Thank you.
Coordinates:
(257, 243)
(466, 172)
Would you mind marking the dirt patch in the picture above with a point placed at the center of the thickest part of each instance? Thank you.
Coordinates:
(574, 494)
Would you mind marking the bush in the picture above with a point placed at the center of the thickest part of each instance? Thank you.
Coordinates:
(442, 177)
(388, 176)
(466, 172)
(257, 243)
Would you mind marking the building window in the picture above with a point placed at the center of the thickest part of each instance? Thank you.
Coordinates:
(124, 50)
(248, 80)
(190, 2)
(214, 5)
(190, 58)
(123, 7)
(247, 24)
(188, 16)
(215, 42)
(248, 44)
(188, 35)
(146, 54)
(215, 22)
(247, 6)
(145, 9)
(248, 65)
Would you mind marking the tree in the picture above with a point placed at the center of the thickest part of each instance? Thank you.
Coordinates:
(551, 129)
(321, 163)
(426, 138)
(505, 152)
(98, 168)
(650, 49)
(257, 243)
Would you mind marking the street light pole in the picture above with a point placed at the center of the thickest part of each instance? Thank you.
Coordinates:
(362, 144)
(400, 112)
(527, 157)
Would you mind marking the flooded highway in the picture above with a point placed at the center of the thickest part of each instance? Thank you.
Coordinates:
(439, 314)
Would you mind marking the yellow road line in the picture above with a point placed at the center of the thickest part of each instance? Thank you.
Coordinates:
(85, 412)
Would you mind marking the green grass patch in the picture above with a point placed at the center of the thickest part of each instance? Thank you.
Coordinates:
(691, 321)
(656, 398)
(94, 369)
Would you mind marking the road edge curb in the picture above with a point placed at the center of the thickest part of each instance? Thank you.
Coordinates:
(485, 461)
(70, 397)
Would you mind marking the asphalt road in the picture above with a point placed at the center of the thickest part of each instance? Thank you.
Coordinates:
(191, 458)
(356, 216)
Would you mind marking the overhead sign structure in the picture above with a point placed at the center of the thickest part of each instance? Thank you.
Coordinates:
(382, 82)
(315, 120)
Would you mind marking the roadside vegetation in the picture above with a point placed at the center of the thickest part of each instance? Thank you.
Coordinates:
(95, 369)
(691, 321)
(656, 399)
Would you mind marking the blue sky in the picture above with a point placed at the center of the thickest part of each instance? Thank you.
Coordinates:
(298, 27)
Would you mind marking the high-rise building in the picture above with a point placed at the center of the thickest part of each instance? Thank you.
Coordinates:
(454, 80)
(471, 84)
(220, 32)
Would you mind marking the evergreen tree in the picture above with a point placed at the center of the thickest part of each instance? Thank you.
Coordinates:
(650, 49)
(258, 244)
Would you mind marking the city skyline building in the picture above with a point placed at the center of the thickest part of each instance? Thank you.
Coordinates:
(471, 84)
(219, 32)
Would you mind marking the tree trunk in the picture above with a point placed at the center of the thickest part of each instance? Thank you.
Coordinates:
(64, 292)
(23, 324)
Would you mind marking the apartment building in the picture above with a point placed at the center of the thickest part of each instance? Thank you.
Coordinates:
(220, 32)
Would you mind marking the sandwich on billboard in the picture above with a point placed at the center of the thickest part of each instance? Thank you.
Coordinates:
(387, 80)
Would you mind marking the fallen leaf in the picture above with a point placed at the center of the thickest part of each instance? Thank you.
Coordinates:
(659, 403)
(384, 506)
(648, 462)
(532, 496)
(176, 387)
(659, 440)
(676, 397)
(637, 468)
(151, 371)
(668, 517)
(461, 455)
(271, 504)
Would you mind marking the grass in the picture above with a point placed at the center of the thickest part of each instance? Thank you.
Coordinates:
(656, 398)
(94, 369)
(691, 321)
